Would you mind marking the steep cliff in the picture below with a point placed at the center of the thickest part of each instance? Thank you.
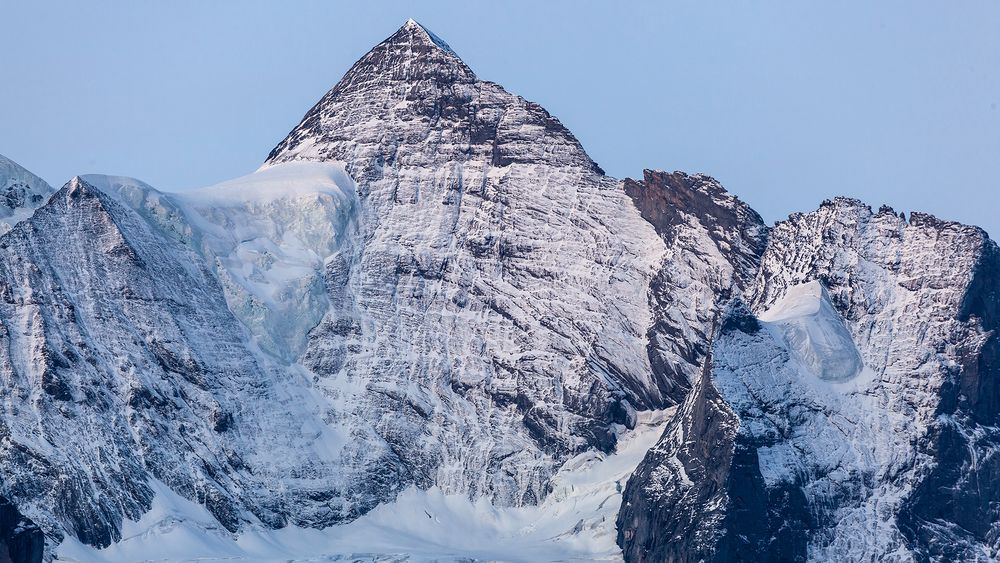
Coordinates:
(864, 403)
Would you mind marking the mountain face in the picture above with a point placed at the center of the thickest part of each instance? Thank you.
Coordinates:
(714, 244)
(519, 317)
(430, 284)
(848, 415)
(122, 364)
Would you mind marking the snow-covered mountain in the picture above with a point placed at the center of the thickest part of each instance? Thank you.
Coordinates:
(852, 418)
(431, 311)
(490, 319)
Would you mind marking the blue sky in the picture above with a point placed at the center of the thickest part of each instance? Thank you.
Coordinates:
(787, 103)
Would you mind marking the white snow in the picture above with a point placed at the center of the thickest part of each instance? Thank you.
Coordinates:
(574, 523)
(283, 181)
(24, 193)
(814, 332)
(268, 235)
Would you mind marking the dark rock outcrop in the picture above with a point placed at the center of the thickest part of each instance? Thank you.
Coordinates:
(21, 541)
(678, 516)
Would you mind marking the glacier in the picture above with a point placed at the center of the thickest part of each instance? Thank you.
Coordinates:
(814, 333)
(575, 522)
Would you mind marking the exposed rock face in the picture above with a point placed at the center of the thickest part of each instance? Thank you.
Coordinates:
(881, 466)
(714, 243)
(679, 514)
(515, 333)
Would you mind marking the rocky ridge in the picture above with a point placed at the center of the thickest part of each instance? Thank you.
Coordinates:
(885, 465)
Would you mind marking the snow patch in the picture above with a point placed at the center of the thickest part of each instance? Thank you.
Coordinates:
(815, 333)
(270, 235)
(282, 181)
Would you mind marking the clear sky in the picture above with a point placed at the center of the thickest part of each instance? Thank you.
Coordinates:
(787, 103)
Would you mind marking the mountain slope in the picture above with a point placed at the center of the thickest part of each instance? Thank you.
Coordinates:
(514, 336)
(826, 460)
(714, 243)
(21, 192)
(428, 284)
(124, 365)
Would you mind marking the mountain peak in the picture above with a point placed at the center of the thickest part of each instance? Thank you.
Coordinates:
(12, 172)
(412, 70)
(412, 54)
(416, 31)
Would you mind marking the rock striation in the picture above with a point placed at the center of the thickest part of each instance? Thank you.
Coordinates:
(887, 464)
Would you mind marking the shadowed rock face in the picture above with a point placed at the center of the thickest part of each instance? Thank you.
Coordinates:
(21, 541)
(662, 521)
(954, 509)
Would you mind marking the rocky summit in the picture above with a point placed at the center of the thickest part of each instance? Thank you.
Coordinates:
(430, 327)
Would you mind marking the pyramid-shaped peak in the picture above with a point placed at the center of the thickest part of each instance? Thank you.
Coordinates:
(412, 53)
(417, 32)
